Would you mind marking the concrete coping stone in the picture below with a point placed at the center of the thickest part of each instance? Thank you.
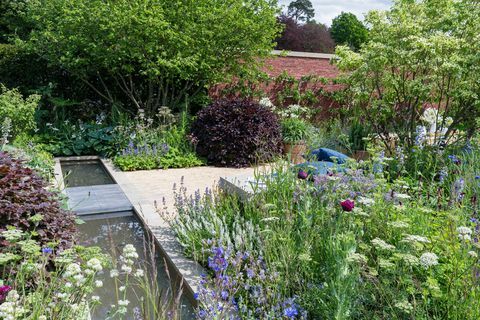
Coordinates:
(298, 54)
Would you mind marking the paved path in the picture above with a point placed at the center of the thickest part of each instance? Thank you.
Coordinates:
(147, 187)
(144, 188)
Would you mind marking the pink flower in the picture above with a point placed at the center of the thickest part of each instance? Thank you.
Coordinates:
(347, 205)
(3, 292)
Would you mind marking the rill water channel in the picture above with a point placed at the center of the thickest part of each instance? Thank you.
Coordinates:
(110, 222)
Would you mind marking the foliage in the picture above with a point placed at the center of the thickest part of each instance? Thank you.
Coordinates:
(28, 206)
(347, 30)
(400, 249)
(357, 136)
(167, 49)
(309, 37)
(19, 110)
(236, 133)
(294, 130)
(69, 139)
(33, 154)
(154, 146)
(285, 90)
(12, 20)
(146, 158)
(301, 10)
(43, 285)
(420, 55)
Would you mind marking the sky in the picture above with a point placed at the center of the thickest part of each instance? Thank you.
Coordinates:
(326, 10)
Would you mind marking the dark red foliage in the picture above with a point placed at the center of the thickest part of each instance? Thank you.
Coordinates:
(237, 133)
(308, 37)
(23, 195)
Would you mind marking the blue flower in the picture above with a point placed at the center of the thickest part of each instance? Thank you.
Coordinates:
(47, 250)
(196, 296)
(224, 295)
(290, 312)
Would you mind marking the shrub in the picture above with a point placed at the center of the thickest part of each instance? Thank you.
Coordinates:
(237, 133)
(20, 111)
(27, 205)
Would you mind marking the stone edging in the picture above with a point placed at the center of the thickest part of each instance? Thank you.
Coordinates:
(164, 236)
(298, 54)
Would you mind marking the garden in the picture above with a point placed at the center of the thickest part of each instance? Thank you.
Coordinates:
(369, 204)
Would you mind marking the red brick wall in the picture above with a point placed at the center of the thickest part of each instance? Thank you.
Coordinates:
(298, 67)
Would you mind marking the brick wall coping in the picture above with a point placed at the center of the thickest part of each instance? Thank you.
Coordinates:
(298, 54)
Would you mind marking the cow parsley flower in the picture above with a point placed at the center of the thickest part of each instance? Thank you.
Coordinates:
(412, 238)
(380, 244)
(472, 254)
(464, 233)
(428, 259)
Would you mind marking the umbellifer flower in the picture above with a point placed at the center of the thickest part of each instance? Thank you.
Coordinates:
(347, 205)
(464, 233)
(428, 259)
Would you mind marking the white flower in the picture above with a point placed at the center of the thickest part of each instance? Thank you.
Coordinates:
(382, 245)
(95, 264)
(428, 259)
(398, 224)
(72, 269)
(12, 235)
(121, 289)
(404, 305)
(129, 252)
(412, 238)
(98, 283)
(401, 196)
(42, 317)
(113, 273)
(366, 201)
(139, 273)
(68, 285)
(464, 233)
(266, 102)
(123, 303)
(126, 268)
(472, 254)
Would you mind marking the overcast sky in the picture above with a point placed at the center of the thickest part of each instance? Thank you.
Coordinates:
(326, 10)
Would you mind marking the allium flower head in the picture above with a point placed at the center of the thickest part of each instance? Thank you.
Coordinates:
(347, 205)
(302, 175)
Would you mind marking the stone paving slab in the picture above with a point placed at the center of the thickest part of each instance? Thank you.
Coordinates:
(97, 199)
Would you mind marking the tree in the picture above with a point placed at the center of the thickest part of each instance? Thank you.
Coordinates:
(301, 10)
(152, 52)
(348, 30)
(421, 54)
(308, 37)
(12, 19)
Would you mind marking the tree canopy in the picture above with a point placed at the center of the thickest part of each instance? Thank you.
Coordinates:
(420, 54)
(301, 10)
(348, 30)
(152, 52)
(307, 37)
